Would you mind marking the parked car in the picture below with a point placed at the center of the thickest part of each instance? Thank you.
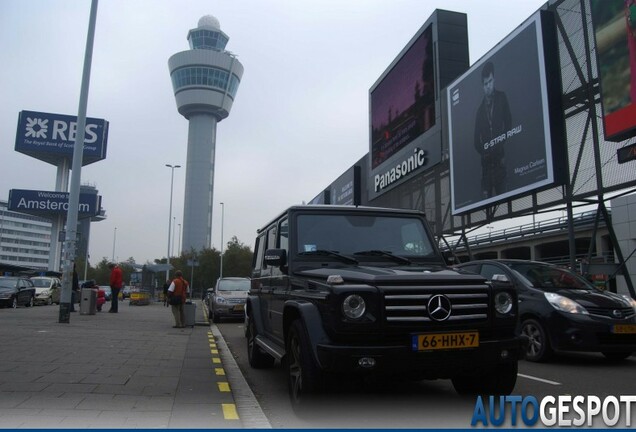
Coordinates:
(126, 291)
(16, 291)
(227, 298)
(562, 311)
(47, 289)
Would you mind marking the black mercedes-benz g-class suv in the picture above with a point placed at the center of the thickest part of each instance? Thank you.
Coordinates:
(361, 290)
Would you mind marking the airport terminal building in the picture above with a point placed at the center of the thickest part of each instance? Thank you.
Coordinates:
(502, 138)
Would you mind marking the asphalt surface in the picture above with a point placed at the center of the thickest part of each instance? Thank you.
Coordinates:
(126, 370)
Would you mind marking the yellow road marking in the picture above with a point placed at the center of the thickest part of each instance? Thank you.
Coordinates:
(216, 360)
(214, 351)
(224, 386)
(229, 412)
(219, 371)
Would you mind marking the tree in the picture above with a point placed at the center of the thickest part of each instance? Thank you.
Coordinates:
(237, 259)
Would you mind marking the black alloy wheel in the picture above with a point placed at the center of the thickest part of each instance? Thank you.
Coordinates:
(257, 358)
(539, 348)
(304, 378)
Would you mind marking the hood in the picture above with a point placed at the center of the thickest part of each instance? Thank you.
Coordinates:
(380, 275)
(7, 289)
(596, 298)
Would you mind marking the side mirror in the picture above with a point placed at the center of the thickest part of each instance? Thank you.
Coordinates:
(276, 257)
(500, 278)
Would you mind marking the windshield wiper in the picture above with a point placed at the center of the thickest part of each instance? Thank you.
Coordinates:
(334, 254)
(377, 252)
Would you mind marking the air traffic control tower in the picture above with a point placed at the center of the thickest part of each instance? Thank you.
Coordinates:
(205, 80)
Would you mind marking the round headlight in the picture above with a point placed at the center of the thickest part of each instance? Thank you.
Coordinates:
(353, 306)
(221, 300)
(503, 302)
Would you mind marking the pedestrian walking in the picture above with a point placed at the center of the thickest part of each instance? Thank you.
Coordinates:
(116, 282)
(177, 298)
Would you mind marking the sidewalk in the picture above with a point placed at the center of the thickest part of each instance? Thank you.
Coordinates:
(124, 370)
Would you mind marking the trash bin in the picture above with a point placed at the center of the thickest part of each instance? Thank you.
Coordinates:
(88, 301)
(189, 312)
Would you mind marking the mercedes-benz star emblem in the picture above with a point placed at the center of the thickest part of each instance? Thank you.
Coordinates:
(439, 307)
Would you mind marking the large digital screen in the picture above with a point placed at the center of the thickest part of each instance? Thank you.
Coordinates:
(500, 132)
(615, 31)
(402, 105)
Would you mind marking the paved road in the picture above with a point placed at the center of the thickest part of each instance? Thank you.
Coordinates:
(124, 370)
(425, 404)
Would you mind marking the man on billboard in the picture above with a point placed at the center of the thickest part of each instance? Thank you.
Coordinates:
(492, 122)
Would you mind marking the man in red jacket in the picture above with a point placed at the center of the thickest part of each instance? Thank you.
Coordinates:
(116, 282)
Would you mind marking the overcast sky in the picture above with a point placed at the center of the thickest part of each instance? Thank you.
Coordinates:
(299, 120)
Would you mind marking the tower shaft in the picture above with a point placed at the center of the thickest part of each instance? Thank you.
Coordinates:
(199, 186)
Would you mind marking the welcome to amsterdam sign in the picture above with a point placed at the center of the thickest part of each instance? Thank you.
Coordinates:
(48, 204)
(51, 137)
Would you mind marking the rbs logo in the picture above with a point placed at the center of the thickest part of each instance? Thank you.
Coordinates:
(60, 131)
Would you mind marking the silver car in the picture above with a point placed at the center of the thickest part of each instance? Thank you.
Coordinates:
(47, 289)
(227, 298)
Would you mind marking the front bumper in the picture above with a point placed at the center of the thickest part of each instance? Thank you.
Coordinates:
(229, 310)
(589, 333)
(402, 360)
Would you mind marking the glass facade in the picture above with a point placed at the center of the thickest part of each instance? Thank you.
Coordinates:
(207, 39)
(205, 76)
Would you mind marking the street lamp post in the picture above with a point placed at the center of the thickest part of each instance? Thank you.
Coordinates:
(179, 248)
(174, 226)
(172, 167)
(114, 240)
(222, 215)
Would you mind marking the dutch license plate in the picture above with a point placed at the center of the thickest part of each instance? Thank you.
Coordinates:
(239, 308)
(624, 329)
(435, 341)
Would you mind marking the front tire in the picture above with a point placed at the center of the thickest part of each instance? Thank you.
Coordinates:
(215, 318)
(49, 301)
(257, 358)
(14, 303)
(499, 382)
(539, 348)
(31, 302)
(304, 377)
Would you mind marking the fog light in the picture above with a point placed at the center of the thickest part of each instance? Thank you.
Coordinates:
(505, 354)
(366, 362)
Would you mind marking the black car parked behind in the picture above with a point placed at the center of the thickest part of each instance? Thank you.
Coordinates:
(560, 310)
(15, 291)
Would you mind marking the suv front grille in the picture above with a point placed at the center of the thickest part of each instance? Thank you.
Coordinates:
(468, 303)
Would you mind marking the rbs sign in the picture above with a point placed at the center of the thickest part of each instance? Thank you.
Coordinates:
(51, 137)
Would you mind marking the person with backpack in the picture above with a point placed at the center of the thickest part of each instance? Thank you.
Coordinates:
(177, 297)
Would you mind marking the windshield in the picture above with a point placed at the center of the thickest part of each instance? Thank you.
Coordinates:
(551, 278)
(363, 235)
(41, 283)
(234, 285)
(7, 283)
